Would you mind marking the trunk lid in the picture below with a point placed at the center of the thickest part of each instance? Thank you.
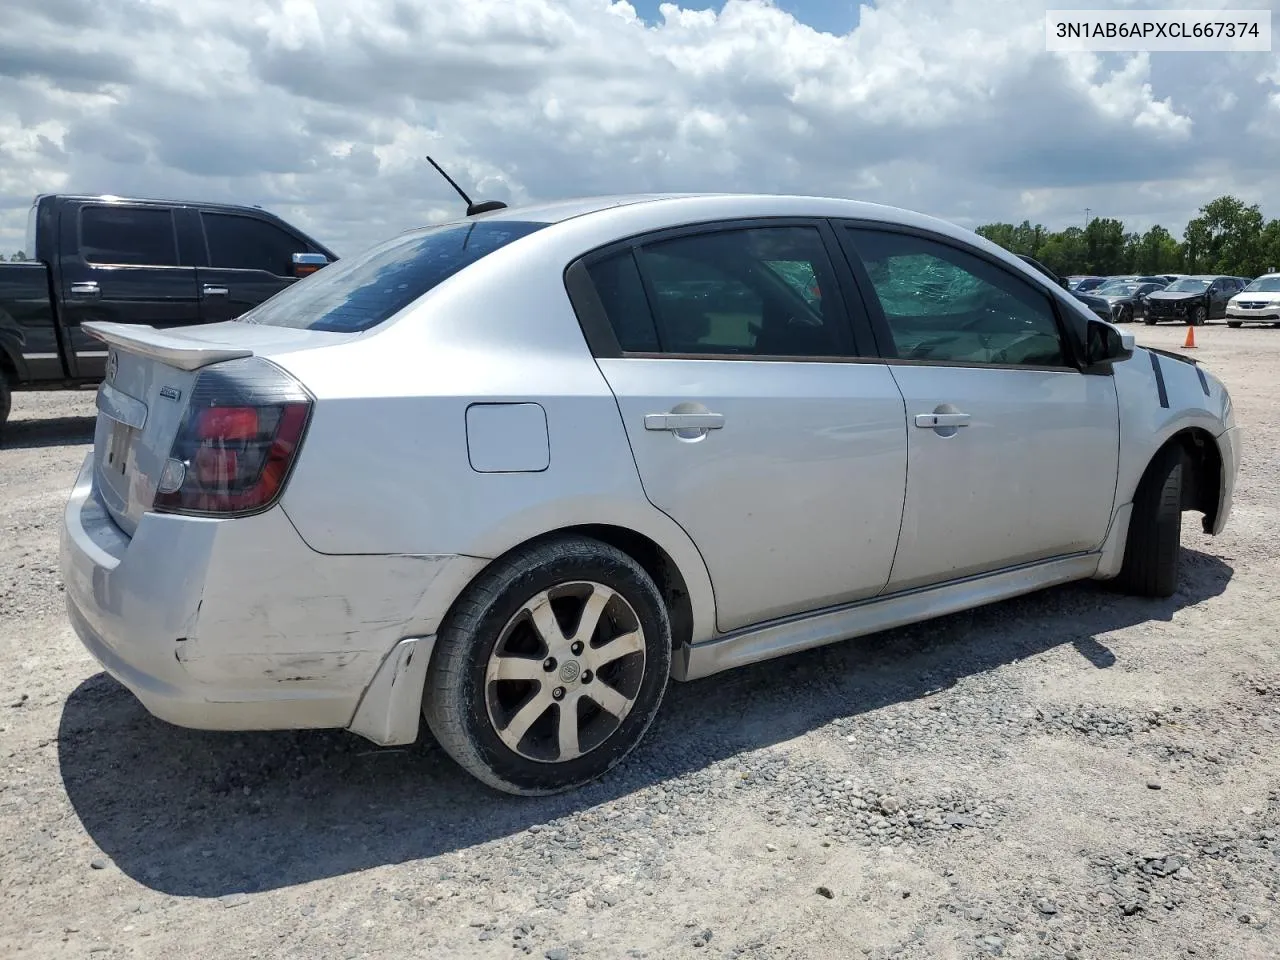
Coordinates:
(143, 400)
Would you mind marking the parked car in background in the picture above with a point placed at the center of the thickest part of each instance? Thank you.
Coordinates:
(1084, 284)
(1098, 305)
(1258, 302)
(1127, 298)
(344, 509)
(1192, 300)
(160, 263)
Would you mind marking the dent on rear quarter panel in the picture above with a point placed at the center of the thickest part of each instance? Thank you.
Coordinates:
(274, 612)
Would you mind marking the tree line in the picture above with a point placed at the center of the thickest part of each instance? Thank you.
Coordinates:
(1226, 237)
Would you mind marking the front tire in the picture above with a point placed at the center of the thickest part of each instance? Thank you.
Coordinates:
(1199, 316)
(550, 667)
(1126, 315)
(1150, 567)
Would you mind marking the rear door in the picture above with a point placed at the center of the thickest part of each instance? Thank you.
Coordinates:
(120, 262)
(755, 421)
(249, 260)
(1012, 451)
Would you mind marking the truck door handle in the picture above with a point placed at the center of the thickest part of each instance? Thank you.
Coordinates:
(683, 421)
(85, 289)
(210, 290)
(929, 421)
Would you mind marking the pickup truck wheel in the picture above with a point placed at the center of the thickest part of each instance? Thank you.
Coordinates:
(6, 402)
(1150, 567)
(550, 667)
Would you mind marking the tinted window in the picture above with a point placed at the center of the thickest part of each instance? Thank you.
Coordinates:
(1188, 285)
(357, 293)
(617, 281)
(243, 243)
(942, 303)
(128, 235)
(764, 292)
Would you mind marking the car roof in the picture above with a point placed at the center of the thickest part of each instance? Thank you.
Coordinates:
(691, 207)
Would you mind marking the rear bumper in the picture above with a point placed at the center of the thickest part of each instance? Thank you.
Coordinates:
(238, 624)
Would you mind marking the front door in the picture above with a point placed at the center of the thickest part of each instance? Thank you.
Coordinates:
(1011, 450)
(250, 260)
(753, 424)
(121, 265)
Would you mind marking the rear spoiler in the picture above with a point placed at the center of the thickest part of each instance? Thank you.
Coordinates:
(167, 346)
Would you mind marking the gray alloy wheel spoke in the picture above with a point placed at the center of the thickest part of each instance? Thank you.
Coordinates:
(518, 668)
(609, 699)
(592, 610)
(537, 676)
(525, 718)
(568, 729)
(544, 620)
(620, 646)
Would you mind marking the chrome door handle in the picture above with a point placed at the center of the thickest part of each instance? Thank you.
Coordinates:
(85, 288)
(211, 291)
(683, 421)
(931, 420)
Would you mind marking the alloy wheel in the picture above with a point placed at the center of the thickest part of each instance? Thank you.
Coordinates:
(565, 672)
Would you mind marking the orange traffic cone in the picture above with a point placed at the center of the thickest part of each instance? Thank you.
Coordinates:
(1191, 338)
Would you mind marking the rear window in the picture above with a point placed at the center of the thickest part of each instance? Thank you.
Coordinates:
(361, 292)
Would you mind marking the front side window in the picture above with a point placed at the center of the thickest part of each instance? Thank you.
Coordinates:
(246, 243)
(943, 304)
(765, 291)
(360, 292)
(133, 236)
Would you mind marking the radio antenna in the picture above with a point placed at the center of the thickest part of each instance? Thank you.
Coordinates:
(484, 206)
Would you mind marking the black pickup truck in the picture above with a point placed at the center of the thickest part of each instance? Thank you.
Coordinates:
(163, 263)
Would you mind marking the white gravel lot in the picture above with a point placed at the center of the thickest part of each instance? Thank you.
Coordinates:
(1071, 774)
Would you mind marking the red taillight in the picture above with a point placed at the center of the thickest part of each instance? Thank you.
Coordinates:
(227, 423)
(238, 444)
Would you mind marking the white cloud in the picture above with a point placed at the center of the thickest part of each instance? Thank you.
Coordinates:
(322, 110)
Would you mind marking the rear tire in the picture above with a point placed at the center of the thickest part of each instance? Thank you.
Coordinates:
(1151, 551)
(509, 662)
(6, 402)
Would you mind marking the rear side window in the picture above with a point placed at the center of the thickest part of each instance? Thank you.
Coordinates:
(758, 291)
(139, 236)
(244, 243)
(358, 293)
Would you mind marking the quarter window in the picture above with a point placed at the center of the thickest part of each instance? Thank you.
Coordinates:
(766, 291)
(135, 236)
(943, 304)
(245, 243)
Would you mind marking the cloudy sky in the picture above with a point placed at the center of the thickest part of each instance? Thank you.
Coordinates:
(322, 110)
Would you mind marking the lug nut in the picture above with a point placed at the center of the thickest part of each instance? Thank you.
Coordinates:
(549, 664)
(587, 676)
(557, 693)
(577, 648)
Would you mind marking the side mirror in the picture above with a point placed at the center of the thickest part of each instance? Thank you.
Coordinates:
(1106, 344)
(305, 264)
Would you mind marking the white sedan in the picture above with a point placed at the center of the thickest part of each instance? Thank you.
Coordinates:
(512, 473)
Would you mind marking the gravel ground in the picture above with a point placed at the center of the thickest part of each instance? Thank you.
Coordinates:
(1073, 774)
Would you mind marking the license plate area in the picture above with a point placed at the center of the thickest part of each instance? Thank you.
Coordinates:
(118, 444)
